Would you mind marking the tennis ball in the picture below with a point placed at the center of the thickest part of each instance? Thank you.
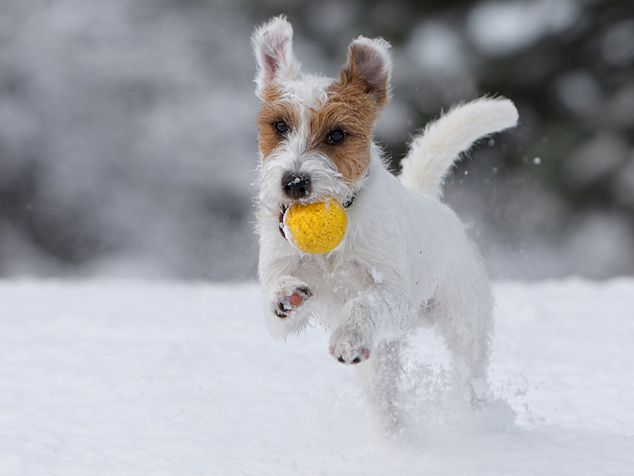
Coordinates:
(315, 228)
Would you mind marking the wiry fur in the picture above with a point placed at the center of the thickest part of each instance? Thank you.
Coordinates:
(405, 260)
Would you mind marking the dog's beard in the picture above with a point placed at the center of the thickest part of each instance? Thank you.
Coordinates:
(326, 181)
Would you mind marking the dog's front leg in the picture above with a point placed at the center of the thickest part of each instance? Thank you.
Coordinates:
(285, 305)
(365, 318)
(289, 295)
(285, 291)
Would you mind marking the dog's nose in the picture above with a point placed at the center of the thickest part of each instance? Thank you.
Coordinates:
(296, 186)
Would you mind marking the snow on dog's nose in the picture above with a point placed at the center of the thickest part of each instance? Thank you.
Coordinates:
(296, 186)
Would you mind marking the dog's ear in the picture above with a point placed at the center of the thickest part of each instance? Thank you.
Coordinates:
(369, 66)
(273, 46)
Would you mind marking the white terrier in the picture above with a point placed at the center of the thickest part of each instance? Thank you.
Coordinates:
(405, 260)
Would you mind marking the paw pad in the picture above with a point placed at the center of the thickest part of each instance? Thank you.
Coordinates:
(288, 303)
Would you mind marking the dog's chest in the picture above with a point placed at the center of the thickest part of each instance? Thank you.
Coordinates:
(337, 280)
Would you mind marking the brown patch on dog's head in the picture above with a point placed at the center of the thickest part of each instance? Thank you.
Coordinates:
(369, 68)
(354, 104)
(273, 110)
(351, 112)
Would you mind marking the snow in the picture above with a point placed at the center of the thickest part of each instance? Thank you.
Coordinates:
(131, 377)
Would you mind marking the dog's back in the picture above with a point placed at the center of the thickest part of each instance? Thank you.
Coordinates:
(433, 152)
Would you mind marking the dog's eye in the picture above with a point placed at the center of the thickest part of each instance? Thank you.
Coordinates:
(281, 127)
(335, 137)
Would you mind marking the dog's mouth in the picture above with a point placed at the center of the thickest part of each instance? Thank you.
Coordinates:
(283, 208)
(347, 203)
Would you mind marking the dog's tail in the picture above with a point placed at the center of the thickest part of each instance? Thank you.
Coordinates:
(433, 152)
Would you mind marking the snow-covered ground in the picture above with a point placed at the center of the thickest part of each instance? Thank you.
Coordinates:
(163, 378)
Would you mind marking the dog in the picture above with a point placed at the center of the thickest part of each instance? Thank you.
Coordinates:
(405, 261)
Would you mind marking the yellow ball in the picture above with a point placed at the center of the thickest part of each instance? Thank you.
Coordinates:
(316, 228)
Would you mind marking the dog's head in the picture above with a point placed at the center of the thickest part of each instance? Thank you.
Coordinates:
(315, 133)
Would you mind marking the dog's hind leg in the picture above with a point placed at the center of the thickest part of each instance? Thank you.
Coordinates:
(380, 378)
(463, 315)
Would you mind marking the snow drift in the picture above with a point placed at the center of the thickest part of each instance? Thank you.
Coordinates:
(151, 378)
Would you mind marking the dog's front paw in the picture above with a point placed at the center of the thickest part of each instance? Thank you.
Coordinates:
(289, 300)
(286, 307)
(350, 346)
(289, 295)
